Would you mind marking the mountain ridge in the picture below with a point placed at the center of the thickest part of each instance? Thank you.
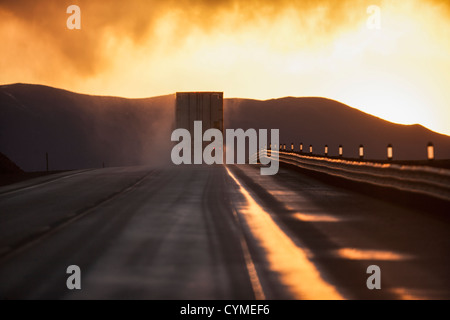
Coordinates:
(81, 130)
(328, 122)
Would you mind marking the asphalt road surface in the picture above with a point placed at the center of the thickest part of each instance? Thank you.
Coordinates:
(213, 232)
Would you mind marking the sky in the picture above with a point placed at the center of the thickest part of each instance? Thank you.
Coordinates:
(394, 65)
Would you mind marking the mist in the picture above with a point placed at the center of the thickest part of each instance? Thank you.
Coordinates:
(247, 49)
(80, 131)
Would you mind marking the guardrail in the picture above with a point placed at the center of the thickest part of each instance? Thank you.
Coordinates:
(426, 180)
(389, 150)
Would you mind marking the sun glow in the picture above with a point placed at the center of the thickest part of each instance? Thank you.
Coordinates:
(249, 49)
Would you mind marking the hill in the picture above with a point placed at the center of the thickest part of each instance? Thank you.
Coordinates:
(7, 166)
(81, 131)
(319, 122)
(84, 131)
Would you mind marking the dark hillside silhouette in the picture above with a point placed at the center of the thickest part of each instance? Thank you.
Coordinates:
(83, 131)
(320, 122)
(7, 166)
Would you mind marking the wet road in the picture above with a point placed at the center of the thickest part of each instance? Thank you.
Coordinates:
(213, 232)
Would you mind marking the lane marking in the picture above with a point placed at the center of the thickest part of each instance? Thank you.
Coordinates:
(47, 231)
(296, 272)
(39, 184)
(251, 269)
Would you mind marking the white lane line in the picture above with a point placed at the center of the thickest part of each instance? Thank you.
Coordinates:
(39, 184)
(251, 270)
(296, 272)
(47, 231)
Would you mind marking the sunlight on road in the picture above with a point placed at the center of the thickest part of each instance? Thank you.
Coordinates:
(407, 294)
(358, 254)
(297, 273)
(315, 217)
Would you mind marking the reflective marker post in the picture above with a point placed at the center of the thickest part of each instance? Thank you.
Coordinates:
(430, 151)
(390, 152)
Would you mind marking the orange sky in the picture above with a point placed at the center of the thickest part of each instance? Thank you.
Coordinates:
(253, 49)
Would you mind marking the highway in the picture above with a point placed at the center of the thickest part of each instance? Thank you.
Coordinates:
(214, 232)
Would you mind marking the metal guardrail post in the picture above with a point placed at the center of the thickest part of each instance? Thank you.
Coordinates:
(414, 178)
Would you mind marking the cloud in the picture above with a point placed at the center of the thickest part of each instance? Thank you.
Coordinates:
(89, 51)
(247, 48)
